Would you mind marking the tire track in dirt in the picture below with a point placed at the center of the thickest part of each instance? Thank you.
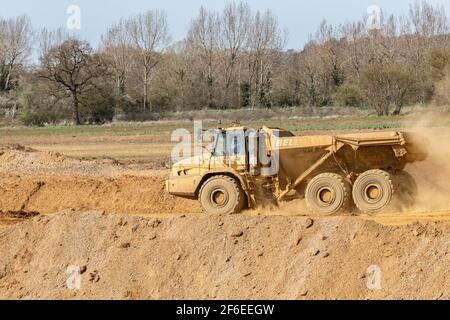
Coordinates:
(33, 192)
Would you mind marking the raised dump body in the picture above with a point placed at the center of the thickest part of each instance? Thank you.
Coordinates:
(248, 168)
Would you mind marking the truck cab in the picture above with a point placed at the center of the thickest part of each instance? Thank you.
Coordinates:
(235, 154)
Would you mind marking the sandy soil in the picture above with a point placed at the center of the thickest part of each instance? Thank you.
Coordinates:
(131, 240)
(48, 182)
(233, 257)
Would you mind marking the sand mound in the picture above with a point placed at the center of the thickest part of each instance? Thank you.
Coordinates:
(49, 182)
(124, 194)
(22, 160)
(233, 257)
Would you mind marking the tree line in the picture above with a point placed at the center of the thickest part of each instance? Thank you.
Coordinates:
(231, 59)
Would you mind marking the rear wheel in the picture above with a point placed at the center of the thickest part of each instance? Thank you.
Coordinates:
(326, 194)
(373, 191)
(222, 195)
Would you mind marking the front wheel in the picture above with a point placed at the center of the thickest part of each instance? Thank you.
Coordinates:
(221, 195)
(373, 191)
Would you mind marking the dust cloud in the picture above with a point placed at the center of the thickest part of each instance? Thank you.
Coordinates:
(432, 175)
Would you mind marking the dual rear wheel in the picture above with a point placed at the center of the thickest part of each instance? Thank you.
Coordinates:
(329, 193)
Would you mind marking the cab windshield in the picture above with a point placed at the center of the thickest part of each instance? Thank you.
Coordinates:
(230, 143)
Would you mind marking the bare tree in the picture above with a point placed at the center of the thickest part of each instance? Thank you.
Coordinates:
(312, 77)
(51, 39)
(265, 43)
(149, 34)
(175, 75)
(426, 28)
(72, 66)
(355, 36)
(330, 53)
(203, 43)
(15, 47)
(428, 21)
(118, 52)
(235, 27)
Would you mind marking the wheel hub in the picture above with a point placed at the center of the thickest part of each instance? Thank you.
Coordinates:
(325, 196)
(372, 192)
(219, 198)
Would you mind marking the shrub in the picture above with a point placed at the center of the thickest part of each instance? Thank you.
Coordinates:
(41, 103)
(348, 95)
(442, 94)
(387, 85)
(97, 106)
(438, 61)
(8, 105)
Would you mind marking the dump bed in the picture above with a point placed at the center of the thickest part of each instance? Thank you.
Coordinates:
(355, 140)
(300, 156)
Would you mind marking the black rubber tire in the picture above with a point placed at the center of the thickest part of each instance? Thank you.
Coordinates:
(380, 182)
(327, 182)
(221, 195)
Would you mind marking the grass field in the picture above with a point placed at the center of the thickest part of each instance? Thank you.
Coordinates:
(150, 141)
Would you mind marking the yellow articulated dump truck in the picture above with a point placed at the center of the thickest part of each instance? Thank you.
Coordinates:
(247, 168)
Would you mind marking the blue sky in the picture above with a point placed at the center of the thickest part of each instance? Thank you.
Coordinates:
(299, 17)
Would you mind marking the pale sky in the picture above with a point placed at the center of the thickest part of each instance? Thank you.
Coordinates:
(300, 18)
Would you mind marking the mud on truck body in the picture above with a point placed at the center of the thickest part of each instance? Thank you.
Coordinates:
(271, 165)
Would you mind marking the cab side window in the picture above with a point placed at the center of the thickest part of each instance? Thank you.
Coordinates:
(220, 145)
(235, 143)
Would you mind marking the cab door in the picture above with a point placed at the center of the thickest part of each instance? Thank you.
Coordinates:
(218, 158)
(237, 155)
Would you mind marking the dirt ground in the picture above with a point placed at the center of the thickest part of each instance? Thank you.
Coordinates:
(48, 183)
(131, 240)
(234, 257)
